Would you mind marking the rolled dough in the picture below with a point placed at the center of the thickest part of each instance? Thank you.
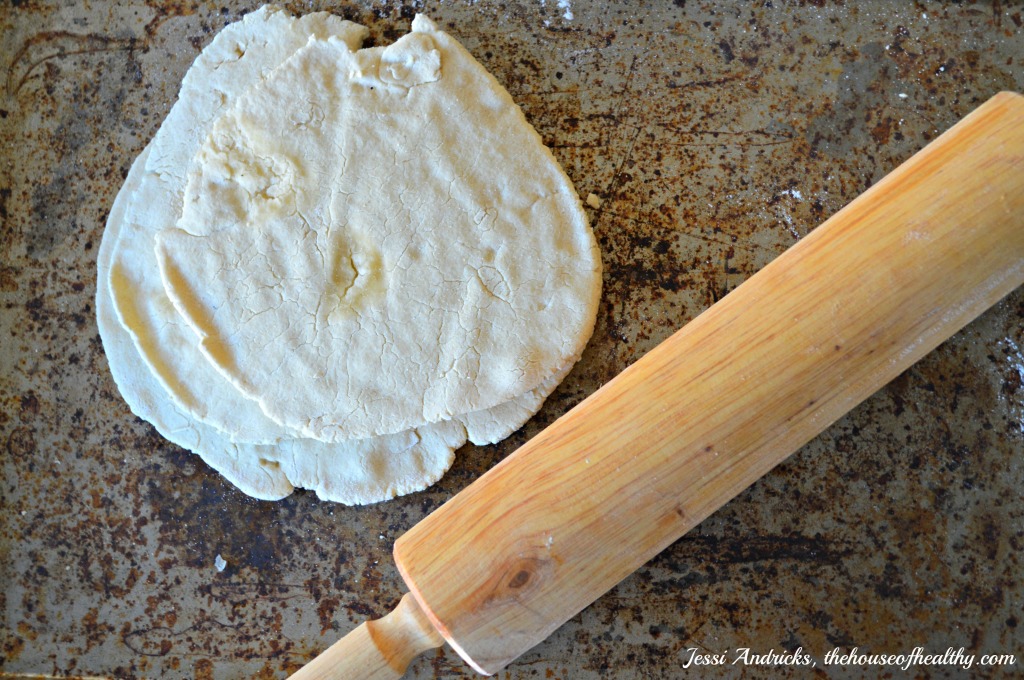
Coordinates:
(154, 356)
(397, 248)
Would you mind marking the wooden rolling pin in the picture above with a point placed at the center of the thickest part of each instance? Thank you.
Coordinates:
(702, 416)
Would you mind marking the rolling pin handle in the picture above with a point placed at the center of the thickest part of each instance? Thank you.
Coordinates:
(377, 650)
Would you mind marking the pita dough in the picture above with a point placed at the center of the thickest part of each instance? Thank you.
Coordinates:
(398, 249)
(354, 472)
(166, 344)
(236, 58)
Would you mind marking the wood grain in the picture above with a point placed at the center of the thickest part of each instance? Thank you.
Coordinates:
(731, 395)
(376, 650)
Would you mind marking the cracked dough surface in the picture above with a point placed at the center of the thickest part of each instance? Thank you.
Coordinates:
(154, 355)
(355, 472)
(236, 58)
(400, 244)
(360, 472)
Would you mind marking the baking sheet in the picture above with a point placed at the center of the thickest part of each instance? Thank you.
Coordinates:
(715, 136)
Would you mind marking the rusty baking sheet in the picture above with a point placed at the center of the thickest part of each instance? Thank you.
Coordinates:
(715, 135)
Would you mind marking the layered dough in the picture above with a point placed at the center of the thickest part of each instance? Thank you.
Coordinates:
(279, 153)
(356, 472)
(401, 243)
(237, 58)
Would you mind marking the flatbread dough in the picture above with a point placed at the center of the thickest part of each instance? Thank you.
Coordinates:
(236, 58)
(356, 472)
(360, 471)
(396, 248)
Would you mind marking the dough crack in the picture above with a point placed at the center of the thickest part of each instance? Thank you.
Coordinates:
(350, 258)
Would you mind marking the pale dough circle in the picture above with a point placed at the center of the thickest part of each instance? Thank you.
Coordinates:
(236, 58)
(356, 472)
(398, 247)
(351, 472)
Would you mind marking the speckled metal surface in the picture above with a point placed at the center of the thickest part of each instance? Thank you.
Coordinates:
(716, 135)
